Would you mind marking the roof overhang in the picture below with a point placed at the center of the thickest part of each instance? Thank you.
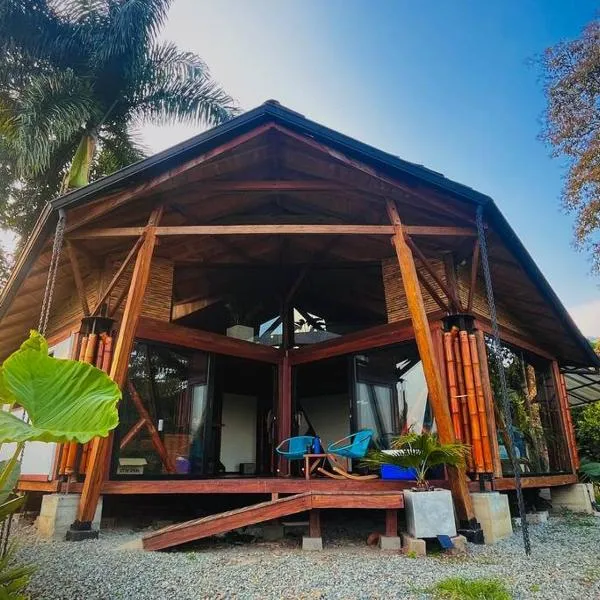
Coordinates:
(583, 384)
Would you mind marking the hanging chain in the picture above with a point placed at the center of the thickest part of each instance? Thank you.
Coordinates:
(52, 271)
(503, 385)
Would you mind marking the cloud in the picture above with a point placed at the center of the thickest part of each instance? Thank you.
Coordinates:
(587, 317)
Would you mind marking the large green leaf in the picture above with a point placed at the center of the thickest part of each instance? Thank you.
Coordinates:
(11, 507)
(66, 400)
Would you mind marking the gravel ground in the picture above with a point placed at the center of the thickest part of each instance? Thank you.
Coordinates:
(565, 564)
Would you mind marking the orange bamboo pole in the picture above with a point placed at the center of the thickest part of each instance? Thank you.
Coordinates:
(481, 412)
(462, 396)
(472, 402)
(452, 387)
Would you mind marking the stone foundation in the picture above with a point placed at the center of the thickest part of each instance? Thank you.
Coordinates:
(312, 544)
(492, 511)
(58, 512)
(387, 542)
(575, 497)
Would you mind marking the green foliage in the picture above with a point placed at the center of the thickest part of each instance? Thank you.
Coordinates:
(66, 400)
(590, 470)
(458, 588)
(420, 452)
(76, 80)
(572, 128)
(587, 430)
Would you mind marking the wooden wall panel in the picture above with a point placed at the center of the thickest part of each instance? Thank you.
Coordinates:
(159, 293)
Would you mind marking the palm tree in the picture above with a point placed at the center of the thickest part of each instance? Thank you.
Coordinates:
(78, 77)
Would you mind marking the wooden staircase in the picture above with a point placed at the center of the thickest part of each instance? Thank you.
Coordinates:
(196, 529)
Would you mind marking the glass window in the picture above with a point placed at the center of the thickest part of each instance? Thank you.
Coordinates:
(539, 441)
(164, 413)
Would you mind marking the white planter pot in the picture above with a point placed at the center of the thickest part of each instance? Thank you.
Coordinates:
(429, 514)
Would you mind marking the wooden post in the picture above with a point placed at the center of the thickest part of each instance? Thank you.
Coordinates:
(391, 522)
(314, 523)
(565, 416)
(284, 408)
(431, 369)
(100, 447)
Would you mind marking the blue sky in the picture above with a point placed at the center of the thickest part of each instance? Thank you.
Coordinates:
(447, 84)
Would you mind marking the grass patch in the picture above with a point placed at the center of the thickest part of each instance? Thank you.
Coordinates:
(457, 588)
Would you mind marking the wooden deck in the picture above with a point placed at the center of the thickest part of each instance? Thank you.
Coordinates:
(188, 531)
(273, 485)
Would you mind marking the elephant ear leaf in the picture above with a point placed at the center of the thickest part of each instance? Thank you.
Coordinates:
(66, 400)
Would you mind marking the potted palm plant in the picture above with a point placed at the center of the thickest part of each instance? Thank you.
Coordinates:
(429, 511)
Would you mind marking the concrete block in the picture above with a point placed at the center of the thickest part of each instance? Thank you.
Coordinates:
(413, 545)
(493, 514)
(429, 514)
(312, 544)
(57, 513)
(389, 542)
(537, 518)
(576, 497)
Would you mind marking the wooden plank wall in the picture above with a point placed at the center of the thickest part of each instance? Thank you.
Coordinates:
(395, 298)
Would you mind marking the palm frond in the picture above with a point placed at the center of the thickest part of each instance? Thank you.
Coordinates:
(52, 109)
(118, 148)
(33, 30)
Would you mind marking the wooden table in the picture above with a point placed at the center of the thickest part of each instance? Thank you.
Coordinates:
(317, 459)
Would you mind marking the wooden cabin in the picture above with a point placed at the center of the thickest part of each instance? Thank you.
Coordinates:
(272, 277)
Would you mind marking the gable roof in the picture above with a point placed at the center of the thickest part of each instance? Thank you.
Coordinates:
(272, 111)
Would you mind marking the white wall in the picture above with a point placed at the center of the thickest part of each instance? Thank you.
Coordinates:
(238, 434)
(329, 415)
(38, 456)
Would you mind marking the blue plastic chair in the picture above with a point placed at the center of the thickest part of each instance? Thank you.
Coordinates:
(352, 446)
(295, 448)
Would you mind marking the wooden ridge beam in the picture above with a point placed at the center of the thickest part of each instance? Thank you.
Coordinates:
(270, 229)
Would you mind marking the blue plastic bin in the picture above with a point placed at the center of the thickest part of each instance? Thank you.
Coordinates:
(398, 473)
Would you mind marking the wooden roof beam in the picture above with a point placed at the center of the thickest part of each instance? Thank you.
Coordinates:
(282, 229)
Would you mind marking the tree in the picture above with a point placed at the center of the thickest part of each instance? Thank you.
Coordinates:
(77, 77)
(587, 430)
(571, 77)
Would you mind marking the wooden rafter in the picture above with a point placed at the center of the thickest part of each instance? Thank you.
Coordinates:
(79, 285)
(117, 276)
(473, 282)
(442, 285)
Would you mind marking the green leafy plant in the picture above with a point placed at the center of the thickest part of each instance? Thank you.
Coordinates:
(458, 588)
(419, 452)
(66, 400)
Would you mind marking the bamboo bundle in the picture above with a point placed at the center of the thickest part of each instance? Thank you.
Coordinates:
(103, 357)
(476, 443)
(462, 395)
(452, 387)
(483, 424)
